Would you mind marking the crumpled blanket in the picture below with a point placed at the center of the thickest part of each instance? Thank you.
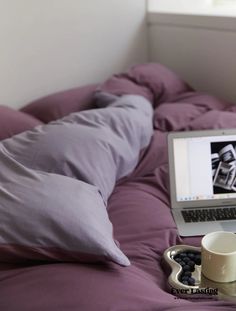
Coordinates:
(98, 146)
(52, 179)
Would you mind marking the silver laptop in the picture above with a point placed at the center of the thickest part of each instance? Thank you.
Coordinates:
(202, 167)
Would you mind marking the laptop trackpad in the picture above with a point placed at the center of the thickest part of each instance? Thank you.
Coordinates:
(229, 226)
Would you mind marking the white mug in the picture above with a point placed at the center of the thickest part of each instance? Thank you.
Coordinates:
(219, 256)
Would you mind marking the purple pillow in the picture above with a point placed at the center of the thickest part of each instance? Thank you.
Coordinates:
(154, 81)
(169, 117)
(184, 110)
(160, 80)
(58, 105)
(213, 120)
(13, 122)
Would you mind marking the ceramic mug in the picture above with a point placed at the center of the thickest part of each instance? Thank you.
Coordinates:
(219, 256)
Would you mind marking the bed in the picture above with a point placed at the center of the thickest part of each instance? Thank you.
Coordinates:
(138, 208)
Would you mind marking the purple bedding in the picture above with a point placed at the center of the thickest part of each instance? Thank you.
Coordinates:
(138, 209)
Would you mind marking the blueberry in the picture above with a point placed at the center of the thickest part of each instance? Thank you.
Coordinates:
(182, 255)
(191, 256)
(184, 278)
(198, 259)
(178, 259)
(191, 263)
(186, 259)
(187, 273)
(185, 282)
(186, 268)
(182, 263)
(191, 281)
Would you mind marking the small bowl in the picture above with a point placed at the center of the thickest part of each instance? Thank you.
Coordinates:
(203, 287)
(176, 268)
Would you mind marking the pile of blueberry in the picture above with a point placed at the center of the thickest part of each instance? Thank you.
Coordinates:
(188, 260)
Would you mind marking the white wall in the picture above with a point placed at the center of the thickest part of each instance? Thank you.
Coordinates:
(200, 48)
(50, 45)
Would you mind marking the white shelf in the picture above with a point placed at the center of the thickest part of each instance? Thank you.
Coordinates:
(197, 15)
(193, 7)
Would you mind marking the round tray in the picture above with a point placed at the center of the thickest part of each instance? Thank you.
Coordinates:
(203, 287)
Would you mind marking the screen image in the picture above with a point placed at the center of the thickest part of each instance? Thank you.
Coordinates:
(223, 161)
(205, 167)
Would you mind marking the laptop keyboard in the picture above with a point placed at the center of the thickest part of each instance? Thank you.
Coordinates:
(211, 214)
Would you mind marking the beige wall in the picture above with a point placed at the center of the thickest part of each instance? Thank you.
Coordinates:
(51, 45)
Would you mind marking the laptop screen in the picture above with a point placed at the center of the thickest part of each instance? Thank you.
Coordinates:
(205, 167)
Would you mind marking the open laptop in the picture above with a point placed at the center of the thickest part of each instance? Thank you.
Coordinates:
(202, 167)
